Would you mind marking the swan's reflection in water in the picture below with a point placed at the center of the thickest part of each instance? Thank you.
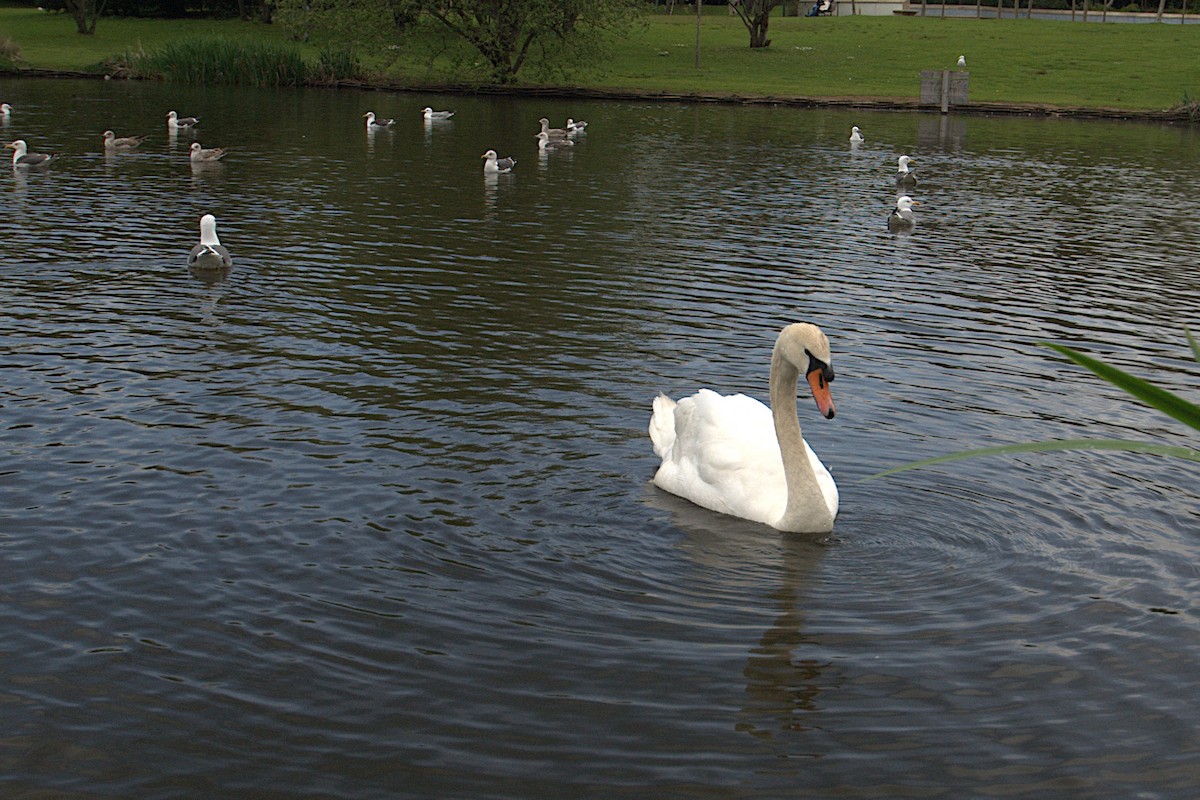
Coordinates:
(783, 680)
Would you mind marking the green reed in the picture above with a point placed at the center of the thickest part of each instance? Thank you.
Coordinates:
(217, 60)
(1156, 397)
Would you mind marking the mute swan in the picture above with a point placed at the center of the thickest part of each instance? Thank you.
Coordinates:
(902, 217)
(734, 455)
(176, 122)
(209, 253)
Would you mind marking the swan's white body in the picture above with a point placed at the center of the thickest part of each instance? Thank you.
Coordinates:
(734, 455)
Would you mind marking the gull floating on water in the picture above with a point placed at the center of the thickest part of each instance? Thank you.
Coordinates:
(552, 133)
(546, 143)
(494, 164)
(23, 158)
(962, 62)
(575, 127)
(374, 124)
(114, 142)
(210, 253)
(902, 217)
(5, 110)
(431, 114)
(175, 122)
(856, 136)
(211, 155)
(904, 178)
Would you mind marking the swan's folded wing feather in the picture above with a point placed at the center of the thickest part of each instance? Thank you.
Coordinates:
(725, 457)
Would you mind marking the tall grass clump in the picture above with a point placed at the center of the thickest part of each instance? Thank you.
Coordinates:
(217, 60)
(336, 64)
(10, 54)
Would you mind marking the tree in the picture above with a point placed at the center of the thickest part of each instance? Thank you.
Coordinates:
(86, 14)
(505, 32)
(756, 16)
(508, 34)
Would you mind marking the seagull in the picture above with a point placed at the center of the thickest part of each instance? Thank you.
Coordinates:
(904, 178)
(553, 133)
(856, 136)
(902, 218)
(175, 122)
(436, 115)
(212, 155)
(210, 253)
(494, 164)
(546, 143)
(962, 62)
(5, 110)
(23, 158)
(575, 127)
(377, 124)
(113, 142)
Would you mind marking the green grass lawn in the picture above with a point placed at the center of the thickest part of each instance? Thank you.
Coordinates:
(1127, 66)
(49, 41)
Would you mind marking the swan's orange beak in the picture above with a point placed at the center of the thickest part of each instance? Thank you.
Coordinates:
(820, 390)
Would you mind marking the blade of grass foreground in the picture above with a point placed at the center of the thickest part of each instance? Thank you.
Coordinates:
(1161, 399)
(1167, 402)
(1046, 447)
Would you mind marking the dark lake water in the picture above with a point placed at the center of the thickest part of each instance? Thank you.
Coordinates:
(371, 517)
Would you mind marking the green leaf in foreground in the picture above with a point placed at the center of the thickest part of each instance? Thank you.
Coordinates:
(1049, 446)
(1166, 402)
(1161, 399)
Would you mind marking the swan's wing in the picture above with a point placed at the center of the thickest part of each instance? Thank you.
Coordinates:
(662, 425)
(725, 457)
(825, 480)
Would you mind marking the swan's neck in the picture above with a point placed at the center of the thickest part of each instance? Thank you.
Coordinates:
(807, 510)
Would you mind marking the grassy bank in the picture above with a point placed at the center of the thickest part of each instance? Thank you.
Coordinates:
(1092, 65)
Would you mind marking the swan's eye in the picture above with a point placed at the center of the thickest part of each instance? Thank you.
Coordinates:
(815, 364)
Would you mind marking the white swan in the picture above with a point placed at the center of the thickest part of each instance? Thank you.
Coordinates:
(734, 455)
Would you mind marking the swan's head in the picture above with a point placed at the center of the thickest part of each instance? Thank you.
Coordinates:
(807, 347)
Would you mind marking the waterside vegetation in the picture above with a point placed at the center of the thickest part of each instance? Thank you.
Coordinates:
(1071, 65)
